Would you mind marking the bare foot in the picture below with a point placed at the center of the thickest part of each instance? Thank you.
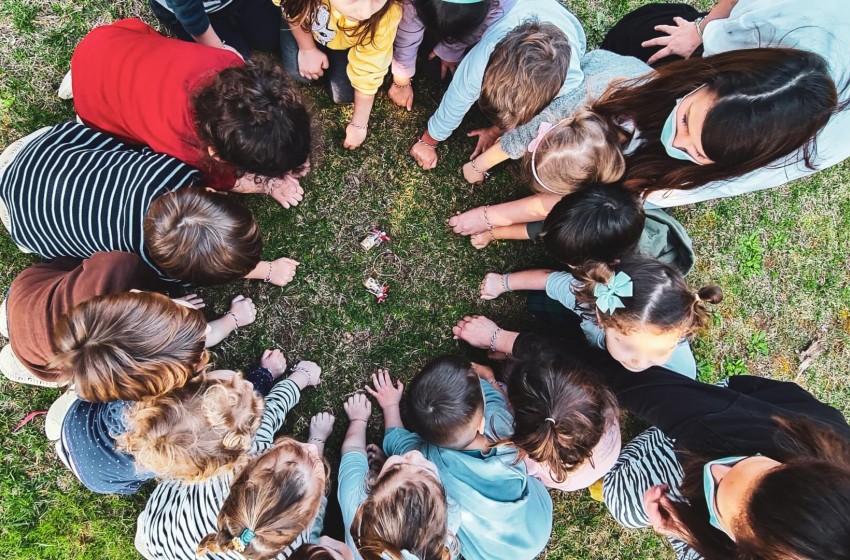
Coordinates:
(481, 240)
(469, 222)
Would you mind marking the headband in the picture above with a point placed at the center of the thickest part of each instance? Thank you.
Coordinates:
(542, 131)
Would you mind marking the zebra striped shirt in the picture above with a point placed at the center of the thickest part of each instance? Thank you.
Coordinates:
(73, 191)
(178, 515)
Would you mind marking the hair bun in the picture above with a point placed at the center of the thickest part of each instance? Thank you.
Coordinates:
(710, 294)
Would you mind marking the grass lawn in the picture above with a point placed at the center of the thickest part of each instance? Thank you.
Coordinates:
(781, 257)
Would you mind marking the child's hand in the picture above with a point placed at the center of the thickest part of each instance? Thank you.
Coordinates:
(470, 222)
(492, 286)
(283, 271)
(447, 67)
(472, 176)
(243, 310)
(425, 156)
(402, 96)
(476, 331)
(384, 392)
(274, 361)
(321, 426)
(287, 190)
(484, 372)
(312, 63)
(486, 138)
(194, 300)
(481, 240)
(353, 137)
(311, 372)
(358, 407)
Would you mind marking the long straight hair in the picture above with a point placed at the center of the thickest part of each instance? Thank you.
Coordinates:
(770, 104)
(798, 510)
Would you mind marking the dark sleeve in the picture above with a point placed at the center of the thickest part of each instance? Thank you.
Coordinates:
(191, 15)
(788, 396)
(534, 229)
(261, 378)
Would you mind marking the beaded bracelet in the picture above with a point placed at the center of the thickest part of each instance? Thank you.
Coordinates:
(487, 219)
(422, 141)
(268, 277)
(484, 174)
(235, 320)
(505, 286)
(357, 126)
(399, 86)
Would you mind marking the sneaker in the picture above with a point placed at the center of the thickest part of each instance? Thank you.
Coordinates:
(56, 415)
(4, 322)
(14, 370)
(65, 91)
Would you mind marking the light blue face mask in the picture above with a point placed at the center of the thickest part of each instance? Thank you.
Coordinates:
(668, 134)
(710, 486)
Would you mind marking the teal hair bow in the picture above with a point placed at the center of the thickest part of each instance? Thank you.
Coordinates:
(608, 295)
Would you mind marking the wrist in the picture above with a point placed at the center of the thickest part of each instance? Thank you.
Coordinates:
(300, 378)
(426, 137)
(389, 406)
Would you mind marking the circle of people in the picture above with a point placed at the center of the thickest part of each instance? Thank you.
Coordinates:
(677, 107)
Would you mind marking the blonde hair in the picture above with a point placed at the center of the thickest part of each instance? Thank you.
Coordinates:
(525, 72)
(412, 516)
(201, 237)
(129, 346)
(275, 499)
(195, 432)
(582, 150)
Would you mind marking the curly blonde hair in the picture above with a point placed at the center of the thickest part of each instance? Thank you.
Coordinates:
(196, 432)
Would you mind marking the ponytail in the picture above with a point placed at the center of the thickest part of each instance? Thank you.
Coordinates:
(659, 296)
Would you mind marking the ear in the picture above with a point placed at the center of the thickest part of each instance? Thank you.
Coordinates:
(213, 154)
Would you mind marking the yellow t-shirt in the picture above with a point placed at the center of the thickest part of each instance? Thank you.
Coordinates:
(367, 64)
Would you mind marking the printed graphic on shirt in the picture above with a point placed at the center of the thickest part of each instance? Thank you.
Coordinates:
(321, 28)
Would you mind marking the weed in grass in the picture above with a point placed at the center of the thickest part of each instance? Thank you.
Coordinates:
(757, 345)
(750, 255)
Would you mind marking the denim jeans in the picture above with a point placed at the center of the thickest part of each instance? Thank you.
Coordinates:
(335, 76)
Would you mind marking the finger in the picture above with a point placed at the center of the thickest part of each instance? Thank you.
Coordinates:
(370, 391)
(291, 261)
(665, 28)
(443, 71)
(680, 21)
(266, 354)
(324, 64)
(657, 42)
(399, 385)
(476, 132)
(432, 55)
(666, 51)
(240, 297)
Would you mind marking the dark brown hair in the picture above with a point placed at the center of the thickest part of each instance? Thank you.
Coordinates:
(312, 552)
(444, 401)
(594, 224)
(276, 499)
(569, 393)
(770, 103)
(202, 237)
(799, 509)
(304, 13)
(451, 21)
(254, 119)
(660, 297)
(129, 346)
(411, 516)
(525, 72)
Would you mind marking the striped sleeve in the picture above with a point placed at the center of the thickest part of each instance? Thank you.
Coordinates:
(282, 398)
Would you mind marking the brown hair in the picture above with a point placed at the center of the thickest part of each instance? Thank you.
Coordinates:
(660, 297)
(799, 509)
(581, 150)
(195, 432)
(445, 402)
(129, 346)
(312, 552)
(277, 499)
(525, 72)
(412, 517)
(770, 103)
(568, 392)
(304, 12)
(253, 117)
(202, 237)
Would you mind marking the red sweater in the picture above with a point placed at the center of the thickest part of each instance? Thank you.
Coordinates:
(131, 82)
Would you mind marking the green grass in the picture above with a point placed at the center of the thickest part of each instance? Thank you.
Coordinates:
(781, 257)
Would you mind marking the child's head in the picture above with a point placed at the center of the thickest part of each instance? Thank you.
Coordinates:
(129, 346)
(525, 72)
(405, 510)
(445, 404)
(326, 549)
(251, 117)
(451, 20)
(644, 306)
(201, 237)
(197, 431)
(582, 150)
(561, 412)
(599, 224)
(274, 498)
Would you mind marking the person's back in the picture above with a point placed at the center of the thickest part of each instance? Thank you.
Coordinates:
(505, 513)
